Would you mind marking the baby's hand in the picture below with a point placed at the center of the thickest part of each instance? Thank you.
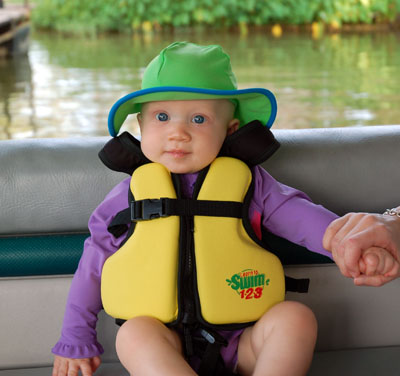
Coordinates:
(70, 367)
(377, 266)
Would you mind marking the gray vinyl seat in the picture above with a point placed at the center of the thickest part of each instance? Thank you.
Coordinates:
(50, 187)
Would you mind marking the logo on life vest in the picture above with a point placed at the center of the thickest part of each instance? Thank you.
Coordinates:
(249, 283)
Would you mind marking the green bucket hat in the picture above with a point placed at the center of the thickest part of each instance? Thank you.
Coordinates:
(185, 71)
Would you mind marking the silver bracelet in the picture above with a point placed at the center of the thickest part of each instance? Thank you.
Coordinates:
(393, 211)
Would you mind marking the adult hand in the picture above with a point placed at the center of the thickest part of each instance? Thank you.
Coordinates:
(70, 367)
(351, 235)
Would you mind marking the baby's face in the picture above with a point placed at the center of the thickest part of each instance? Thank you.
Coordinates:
(185, 136)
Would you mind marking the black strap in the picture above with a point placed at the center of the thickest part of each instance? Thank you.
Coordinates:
(119, 225)
(297, 284)
(211, 359)
(154, 208)
(163, 207)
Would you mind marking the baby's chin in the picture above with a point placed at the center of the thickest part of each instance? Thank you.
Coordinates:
(176, 168)
(182, 171)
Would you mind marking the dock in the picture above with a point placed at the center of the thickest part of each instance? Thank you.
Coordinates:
(14, 29)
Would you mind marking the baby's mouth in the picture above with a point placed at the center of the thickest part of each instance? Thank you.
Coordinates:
(177, 153)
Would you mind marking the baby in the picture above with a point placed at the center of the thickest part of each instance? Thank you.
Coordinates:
(188, 108)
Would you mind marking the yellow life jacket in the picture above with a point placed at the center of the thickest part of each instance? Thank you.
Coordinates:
(208, 265)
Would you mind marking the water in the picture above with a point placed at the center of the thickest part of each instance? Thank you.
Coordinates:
(66, 85)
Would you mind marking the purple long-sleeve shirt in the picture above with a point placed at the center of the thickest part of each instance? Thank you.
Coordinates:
(283, 210)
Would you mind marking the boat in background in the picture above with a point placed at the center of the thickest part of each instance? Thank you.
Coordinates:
(14, 29)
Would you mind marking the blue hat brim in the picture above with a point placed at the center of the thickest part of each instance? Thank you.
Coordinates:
(253, 104)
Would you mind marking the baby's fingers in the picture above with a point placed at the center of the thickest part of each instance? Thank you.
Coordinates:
(56, 367)
(383, 274)
(392, 270)
(86, 369)
(70, 367)
(374, 264)
(95, 363)
(361, 266)
(72, 371)
(60, 367)
(377, 261)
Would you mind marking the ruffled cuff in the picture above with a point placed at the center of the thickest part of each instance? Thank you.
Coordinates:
(77, 352)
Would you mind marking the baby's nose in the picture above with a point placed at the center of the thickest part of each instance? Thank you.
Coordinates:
(179, 131)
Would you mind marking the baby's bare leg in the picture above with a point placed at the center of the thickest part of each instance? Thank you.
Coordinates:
(145, 346)
(281, 343)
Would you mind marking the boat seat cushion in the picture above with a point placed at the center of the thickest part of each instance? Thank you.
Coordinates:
(40, 255)
(51, 186)
(369, 361)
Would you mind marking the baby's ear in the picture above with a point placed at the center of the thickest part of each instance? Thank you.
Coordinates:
(233, 126)
(139, 118)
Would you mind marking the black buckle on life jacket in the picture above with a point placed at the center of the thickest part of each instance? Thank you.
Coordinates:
(148, 209)
(213, 337)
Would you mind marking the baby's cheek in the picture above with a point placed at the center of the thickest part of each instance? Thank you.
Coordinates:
(149, 148)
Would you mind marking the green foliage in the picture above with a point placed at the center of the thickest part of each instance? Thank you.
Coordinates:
(110, 15)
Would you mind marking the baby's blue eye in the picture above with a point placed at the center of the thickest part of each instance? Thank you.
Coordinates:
(199, 119)
(162, 116)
